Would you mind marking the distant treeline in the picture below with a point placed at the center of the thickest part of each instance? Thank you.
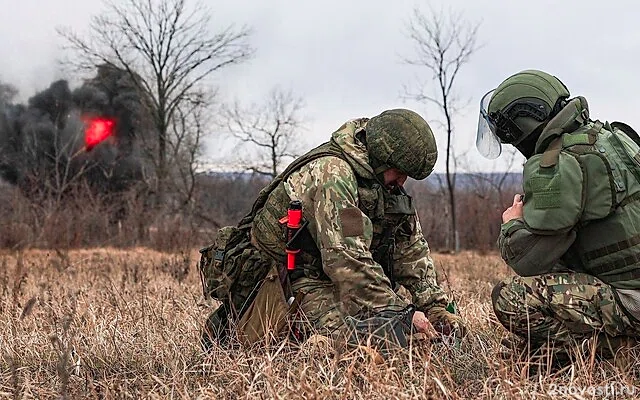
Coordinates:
(89, 219)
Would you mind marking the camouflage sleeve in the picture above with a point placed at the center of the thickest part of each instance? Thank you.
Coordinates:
(414, 269)
(532, 254)
(343, 235)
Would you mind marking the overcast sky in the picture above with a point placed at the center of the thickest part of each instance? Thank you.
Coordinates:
(344, 57)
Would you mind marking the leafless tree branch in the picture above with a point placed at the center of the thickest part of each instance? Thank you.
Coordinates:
(443, 44)
(272, 127)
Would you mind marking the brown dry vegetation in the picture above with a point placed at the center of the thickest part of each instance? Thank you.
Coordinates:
(111, 323)
(85, 219)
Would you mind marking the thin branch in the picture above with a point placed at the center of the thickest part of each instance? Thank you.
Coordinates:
(271, 127)
(443, 43)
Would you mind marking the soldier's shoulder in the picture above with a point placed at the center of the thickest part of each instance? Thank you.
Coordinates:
(330, 166)
(326, 170)
(553, 193)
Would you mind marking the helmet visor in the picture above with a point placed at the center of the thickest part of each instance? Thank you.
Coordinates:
(487, 141)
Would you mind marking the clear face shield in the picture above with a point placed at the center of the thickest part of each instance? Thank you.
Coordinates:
(487, 141)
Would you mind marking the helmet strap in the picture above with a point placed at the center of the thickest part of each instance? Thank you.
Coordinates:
(378, 168)
(377, 165)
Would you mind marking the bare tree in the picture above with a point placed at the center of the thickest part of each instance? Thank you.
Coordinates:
(443, 44)
(168, 50)
(62, 164)
(187, 130)
(271, 128)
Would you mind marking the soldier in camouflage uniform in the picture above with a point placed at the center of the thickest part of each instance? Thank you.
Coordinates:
(574, 237)
(363, 237)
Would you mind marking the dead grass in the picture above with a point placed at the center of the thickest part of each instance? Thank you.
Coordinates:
(109, 323)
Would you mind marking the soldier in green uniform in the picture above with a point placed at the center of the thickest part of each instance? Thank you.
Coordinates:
(573, 238)
(362, 237)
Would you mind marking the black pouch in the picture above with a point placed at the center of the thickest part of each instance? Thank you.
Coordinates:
(383, 330)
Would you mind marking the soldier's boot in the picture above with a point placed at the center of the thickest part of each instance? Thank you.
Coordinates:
(216, 329)
(515, 346)
(621, 350)
(539, 357)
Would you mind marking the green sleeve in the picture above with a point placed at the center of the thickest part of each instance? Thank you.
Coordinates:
(530, 254)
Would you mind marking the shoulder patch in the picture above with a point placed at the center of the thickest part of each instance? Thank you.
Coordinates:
(351, 222)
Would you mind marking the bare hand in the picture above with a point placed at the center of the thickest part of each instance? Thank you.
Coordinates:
(422, 324)
(515, 211)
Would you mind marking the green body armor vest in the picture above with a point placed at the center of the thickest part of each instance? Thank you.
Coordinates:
(589, 181)
(390, 213)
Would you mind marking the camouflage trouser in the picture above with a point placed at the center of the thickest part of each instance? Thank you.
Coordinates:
(563, 308)
(319, 310)
(320, 313)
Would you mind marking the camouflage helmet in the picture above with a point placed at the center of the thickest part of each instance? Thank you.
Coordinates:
(402, 139)
(524, 102)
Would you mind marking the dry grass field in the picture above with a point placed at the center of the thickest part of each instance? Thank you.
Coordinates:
(110, 323)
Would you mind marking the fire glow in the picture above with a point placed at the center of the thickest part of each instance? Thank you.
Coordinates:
(97, 130)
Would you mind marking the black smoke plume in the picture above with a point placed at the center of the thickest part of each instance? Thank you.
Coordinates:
(42, 142)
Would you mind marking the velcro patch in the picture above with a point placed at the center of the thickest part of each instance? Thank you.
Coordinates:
(546, 192)
(542, 184)
(351, 222)
(546, 200)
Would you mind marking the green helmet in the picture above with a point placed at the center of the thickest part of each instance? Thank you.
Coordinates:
(402, 139)
(518, 107)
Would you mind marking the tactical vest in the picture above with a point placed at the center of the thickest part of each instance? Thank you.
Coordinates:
(589, 180)
(390, 213)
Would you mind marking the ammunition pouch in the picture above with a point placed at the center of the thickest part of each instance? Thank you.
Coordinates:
(215, 278)
(398, 210)
(265, 316)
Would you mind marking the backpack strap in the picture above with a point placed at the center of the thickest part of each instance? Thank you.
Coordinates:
(552, 153)
(326, 149)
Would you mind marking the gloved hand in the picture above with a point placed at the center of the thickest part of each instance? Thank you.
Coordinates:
(445, 322)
